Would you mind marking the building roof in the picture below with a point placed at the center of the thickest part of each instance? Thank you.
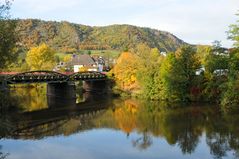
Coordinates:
(82, 60)
(99, 60)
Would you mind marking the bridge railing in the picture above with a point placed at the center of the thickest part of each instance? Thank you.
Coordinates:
(49, 76)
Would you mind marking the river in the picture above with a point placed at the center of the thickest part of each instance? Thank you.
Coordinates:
(102, 127)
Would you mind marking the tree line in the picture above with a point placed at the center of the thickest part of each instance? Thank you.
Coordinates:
(190, 74)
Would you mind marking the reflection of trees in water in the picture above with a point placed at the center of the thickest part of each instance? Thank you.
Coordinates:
(188, 141)
(182, 127)
(6, 101)
(143, 142)
(236, 154)
(3, 155)
(218, 145)
(32, 97)
(222, 135)
(5, 129)
(125, 116)
(27, 97)
(177, 126)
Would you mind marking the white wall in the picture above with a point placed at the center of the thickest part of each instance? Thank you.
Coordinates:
(77, 68)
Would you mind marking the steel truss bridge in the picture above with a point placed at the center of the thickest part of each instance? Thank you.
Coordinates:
(48, 77)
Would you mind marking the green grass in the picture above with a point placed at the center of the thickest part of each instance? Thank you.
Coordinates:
(114, 54)
(111, 53)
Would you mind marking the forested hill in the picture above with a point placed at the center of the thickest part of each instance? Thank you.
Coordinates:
(69, 37)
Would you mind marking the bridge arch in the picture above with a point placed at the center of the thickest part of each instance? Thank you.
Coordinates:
(37, 77)
(87, 76)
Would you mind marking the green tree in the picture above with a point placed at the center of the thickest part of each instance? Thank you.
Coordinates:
(216, 67)
(8, 36)
(167, 70)
(178, 74)
(233, 33)
(202, 53)
(148, 72)
(89, 52)
(230, 98)
(41, 58)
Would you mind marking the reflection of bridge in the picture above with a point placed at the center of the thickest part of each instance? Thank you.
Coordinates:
(54, 121)
(48, 77)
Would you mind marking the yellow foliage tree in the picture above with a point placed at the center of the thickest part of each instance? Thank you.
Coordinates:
(67, 58)
(40, 58)
(125, 71)
(83, 69)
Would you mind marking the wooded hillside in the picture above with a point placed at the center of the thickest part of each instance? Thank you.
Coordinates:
(69, 37)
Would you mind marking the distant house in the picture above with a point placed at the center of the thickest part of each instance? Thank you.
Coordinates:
(221, 72)
(200, 71)
(59, 66)
(83, 61)
(100, 62)
(163, 53)
(217, 72)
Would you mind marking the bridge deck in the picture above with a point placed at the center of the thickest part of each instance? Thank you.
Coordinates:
(48, 77)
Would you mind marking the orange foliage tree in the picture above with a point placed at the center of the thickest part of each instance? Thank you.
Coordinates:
(125, 71)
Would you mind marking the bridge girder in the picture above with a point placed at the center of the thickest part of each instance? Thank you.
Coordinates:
(50, 77)
(87, 76)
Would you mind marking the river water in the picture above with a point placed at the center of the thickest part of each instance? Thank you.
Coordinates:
(100, 127)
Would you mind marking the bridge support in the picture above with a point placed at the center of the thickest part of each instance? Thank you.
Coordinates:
(65, 90)
(100, 86)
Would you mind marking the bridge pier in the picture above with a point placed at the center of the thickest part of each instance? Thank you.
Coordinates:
(66, 90)
(100, 86)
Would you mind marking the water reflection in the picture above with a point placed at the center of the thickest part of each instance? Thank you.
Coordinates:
(143, 142)
(3, 155)
(144, 124)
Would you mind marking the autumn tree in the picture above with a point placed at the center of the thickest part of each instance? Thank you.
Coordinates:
(125, 71)
(40, 58)
(8, 36)
(67, 58)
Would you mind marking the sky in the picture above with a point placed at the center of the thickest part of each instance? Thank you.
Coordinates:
(194, 21)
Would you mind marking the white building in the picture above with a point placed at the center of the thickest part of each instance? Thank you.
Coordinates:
(85, 60)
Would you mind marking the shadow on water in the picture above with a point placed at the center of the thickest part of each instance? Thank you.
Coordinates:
(42, 116)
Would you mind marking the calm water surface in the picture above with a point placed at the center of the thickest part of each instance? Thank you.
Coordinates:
(94, 127)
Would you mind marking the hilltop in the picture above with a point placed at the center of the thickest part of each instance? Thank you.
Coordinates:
(70, 37)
